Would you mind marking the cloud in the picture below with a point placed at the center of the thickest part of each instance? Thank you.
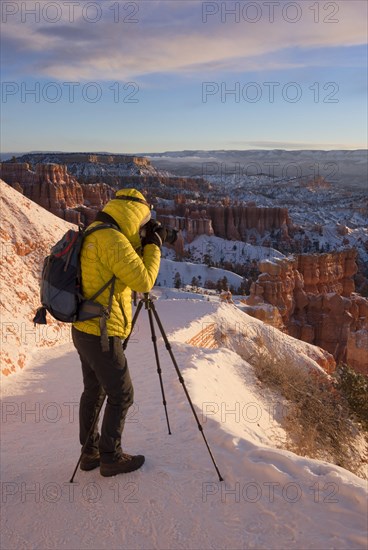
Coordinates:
(172, 38)
(66, 32)
(292, 145)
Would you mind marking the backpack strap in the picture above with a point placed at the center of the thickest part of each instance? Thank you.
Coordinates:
(109, 223)
(101, 226)
(105, 316)
(134, 199)
(85, 234)
(109, 282)
(106, 312)
(106, 218)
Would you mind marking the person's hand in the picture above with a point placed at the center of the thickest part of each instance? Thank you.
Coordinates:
(153, 233)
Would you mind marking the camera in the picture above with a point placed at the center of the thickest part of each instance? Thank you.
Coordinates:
(167, 234)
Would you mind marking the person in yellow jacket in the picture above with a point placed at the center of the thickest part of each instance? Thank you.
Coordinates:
(117, 251)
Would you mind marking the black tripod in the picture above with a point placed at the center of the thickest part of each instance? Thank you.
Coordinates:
(150, 307)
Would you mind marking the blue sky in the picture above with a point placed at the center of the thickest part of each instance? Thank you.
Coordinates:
(151, 76)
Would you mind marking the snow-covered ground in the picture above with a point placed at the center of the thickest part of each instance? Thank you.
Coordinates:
(346, 168)
(27, 233)
(221, 250)
(269, 498)
(188, 270)
(211, 249)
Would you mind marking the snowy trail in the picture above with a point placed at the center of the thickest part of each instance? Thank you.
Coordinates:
(270, 498)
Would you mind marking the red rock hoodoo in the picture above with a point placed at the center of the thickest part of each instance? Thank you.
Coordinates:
(315, 297)
(54, 189)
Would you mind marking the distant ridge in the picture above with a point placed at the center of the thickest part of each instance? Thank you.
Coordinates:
(343, 167)
(93, 167)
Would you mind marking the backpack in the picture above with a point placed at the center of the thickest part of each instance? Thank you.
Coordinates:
(60, 289)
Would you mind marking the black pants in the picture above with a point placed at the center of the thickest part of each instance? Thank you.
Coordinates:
(104, 373)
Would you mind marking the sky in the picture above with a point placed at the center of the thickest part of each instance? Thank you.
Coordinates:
(154, 76)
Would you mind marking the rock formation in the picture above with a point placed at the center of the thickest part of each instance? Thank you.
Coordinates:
(234, 222)
(71, 158)
(53, 188)
(194, 223)
(357, 345)
(328, 272)
(228, 222)
(95, 168)
(26, 235)
(314, 295)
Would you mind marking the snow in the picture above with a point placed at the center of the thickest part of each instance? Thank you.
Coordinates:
(229, 251)
(188, 270)
(27, 233)
(345, 168)
(270, 498)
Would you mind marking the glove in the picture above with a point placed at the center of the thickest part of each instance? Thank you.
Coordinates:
(153, 233)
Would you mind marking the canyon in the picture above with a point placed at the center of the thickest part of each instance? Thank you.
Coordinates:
(55, 189)
(311, 296)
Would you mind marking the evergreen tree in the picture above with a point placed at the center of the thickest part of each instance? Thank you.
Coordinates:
(194, 283)
(177, 280)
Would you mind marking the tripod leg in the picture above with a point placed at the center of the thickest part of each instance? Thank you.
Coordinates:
(181, 380)
(159, 371)
(125, 343)
(147, 301)
(87, 438)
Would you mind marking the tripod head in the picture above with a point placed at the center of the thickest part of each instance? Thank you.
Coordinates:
(145, 299)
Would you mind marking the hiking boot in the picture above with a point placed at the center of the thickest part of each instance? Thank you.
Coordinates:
(90, 461)
(126, 463)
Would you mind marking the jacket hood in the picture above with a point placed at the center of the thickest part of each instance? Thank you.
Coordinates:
(129, 214)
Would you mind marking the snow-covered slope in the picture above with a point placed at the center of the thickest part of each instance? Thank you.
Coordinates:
(188, 270)
(27, 233)
(270, 499)
(221, 250)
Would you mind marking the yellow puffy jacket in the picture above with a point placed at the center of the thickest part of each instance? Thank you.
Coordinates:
(108, 252)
